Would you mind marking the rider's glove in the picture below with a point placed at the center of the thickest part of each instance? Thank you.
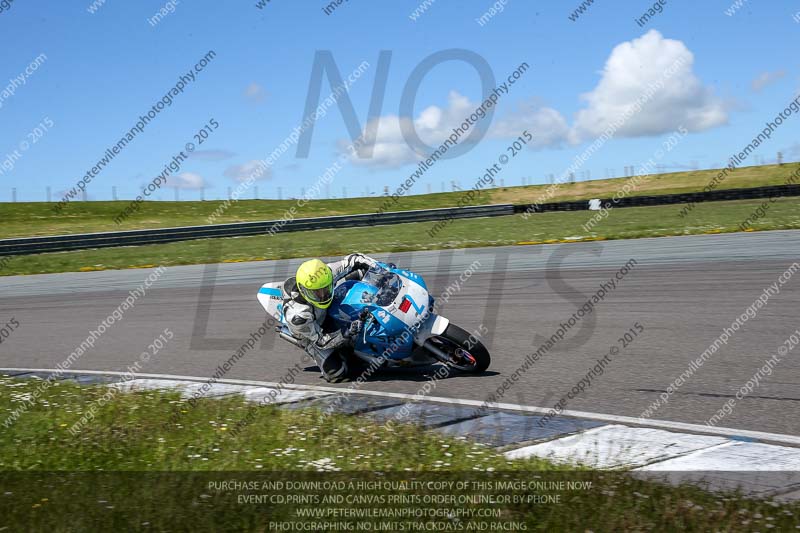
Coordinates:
(354, 329)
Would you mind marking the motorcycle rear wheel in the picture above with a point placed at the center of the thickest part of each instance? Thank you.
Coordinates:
(457, 349)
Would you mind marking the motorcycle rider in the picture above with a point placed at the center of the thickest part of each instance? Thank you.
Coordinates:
(307, 296)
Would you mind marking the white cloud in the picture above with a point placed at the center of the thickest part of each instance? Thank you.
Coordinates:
(255, 93)
(628, 73)
(651, 71)
(187, 180)
(244, 171)
(389, 148)
(766, 78)
(548, 127)
(433, 125)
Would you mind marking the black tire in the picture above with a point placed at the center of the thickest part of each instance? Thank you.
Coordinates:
(473, 346)
(355, 366)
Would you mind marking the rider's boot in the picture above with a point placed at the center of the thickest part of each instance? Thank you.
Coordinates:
(331, 365)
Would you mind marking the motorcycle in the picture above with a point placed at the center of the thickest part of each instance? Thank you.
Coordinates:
(400, 327)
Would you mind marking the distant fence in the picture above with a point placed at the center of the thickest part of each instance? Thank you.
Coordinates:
(61, 243)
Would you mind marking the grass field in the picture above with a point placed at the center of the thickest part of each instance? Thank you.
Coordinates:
(146, 459)
(711, 217)
(28, 219)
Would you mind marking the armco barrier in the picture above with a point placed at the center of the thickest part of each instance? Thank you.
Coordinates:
(667, 199)
(60, 243)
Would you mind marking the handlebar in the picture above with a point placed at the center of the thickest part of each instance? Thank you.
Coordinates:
(357, 274)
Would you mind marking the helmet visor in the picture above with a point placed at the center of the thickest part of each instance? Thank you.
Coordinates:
(318, 297)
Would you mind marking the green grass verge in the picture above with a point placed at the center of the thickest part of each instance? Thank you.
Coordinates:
(37, 218)
(625, 223)
(49, 481)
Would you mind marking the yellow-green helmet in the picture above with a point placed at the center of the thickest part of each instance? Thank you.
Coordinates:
(315, 283)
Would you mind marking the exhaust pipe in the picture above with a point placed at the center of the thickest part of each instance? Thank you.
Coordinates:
(439, 354)
(290, 339)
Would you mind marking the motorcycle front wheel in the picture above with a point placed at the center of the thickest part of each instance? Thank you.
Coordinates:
(458, 349)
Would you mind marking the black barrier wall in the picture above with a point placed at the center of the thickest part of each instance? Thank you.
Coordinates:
(59, 243)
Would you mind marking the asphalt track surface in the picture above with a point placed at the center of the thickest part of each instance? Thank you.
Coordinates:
(683, 290)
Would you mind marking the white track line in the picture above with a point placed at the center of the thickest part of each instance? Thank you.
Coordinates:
(616, 419)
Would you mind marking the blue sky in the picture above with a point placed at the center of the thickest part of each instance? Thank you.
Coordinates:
(104, 69)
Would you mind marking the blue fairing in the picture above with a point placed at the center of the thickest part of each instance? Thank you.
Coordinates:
(350, 299)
